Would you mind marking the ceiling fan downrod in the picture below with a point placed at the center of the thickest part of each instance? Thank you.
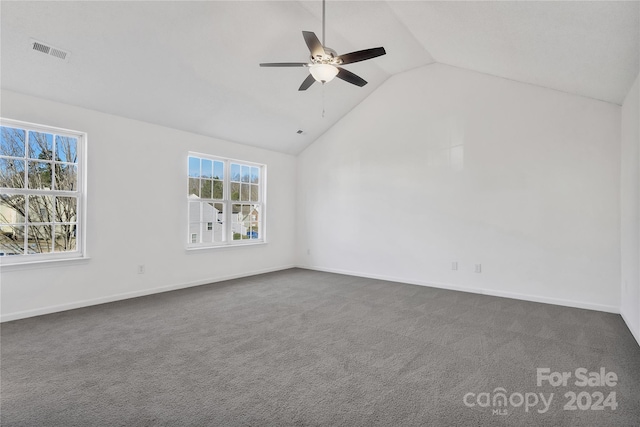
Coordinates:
(323, 21)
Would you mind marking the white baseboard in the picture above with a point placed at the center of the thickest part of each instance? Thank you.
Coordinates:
(634, 331)
(493, 292)
(144, 292)
(126, 295)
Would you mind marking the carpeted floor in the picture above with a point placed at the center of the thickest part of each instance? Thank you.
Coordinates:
(298, 348)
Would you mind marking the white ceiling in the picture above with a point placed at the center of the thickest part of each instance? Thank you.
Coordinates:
(194, 65)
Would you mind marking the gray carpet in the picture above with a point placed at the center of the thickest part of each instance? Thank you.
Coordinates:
(298, 348)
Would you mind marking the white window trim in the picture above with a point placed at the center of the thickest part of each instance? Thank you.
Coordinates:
(228, 234)
(81, 194)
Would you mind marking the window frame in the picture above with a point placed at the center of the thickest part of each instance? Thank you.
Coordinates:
(228, 203)
(80, 193)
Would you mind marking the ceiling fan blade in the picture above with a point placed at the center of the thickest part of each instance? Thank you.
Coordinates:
(314, 45)
(361, 55)
(307, 82)
(348, 76)
(284, 64)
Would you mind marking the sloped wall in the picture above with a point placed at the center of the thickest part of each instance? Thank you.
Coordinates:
(443, 165)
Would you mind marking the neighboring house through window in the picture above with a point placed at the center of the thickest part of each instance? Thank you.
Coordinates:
(42, 192)
(226, 201)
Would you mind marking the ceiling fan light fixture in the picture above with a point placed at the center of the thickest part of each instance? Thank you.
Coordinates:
(323, 72)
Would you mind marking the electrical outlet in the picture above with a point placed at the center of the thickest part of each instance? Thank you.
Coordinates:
(141, 269)
(454, 265)
(478, 268)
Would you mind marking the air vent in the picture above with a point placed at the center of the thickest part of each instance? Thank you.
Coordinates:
(58, 53)
(50, 50)
(41, 47)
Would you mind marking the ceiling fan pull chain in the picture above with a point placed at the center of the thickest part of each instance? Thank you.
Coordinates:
(323, 100)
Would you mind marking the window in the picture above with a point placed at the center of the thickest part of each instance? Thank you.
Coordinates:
(41, 192)
(226, 201)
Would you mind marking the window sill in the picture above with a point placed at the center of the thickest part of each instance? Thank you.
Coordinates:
(44, 263)
(236, 245)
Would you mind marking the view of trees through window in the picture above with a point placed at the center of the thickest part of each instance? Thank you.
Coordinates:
(39, 195)
(225, 201)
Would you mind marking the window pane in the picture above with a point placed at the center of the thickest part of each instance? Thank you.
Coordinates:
(235, 191)
(255, 192)
(39, 175)
(253, 231)
(12, 240)
(194, 187)
(194, 232)
(218, 233)
(12, 142)
(212, 222)
(217, 189)
(255, 175)
(207, 234)
(255, 214)
(246, 173)
(245, 192)
(66, 149)
(219, 212)
(207, 168)
(40, 145)
(66, 209)
(40, 209)
(65, 238)
(66, 177)
(218, 170)
(11, 173)
(39, 239)
(206, 187)
(237, 227)
(209, 213)
(245, 220)
(194, 212)
(12, 209)
(235, 172)
(194, 167)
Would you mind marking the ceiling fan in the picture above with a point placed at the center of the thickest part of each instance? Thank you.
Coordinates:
(325, 63)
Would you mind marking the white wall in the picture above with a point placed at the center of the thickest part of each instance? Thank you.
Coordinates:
(442, 164)
(438, 165)
(137, 214)
(630, 210)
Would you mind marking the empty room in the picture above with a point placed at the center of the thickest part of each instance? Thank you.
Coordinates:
(320, 213)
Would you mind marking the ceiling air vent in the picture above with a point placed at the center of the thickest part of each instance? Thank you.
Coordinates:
(50, 50)
(58, 53)
(41, 47)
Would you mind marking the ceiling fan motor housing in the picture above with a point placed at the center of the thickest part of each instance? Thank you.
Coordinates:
(330, 56)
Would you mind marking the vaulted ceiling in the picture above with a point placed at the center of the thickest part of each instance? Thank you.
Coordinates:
(194, 65)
